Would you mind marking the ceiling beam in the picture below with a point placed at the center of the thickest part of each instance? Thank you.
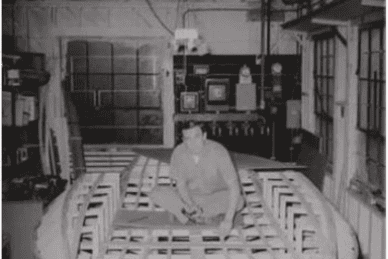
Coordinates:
(374, 3)
(329, 22)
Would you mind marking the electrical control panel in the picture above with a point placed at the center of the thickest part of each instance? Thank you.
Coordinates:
(225, 93)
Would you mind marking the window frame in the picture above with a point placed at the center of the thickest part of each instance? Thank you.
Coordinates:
(324, 89)
(373, 132)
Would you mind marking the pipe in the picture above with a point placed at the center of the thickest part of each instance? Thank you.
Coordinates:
(268, 27)
(262, 63)
(227, 10)
(211, 10)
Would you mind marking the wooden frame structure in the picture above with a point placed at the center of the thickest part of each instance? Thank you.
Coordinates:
(285, 217)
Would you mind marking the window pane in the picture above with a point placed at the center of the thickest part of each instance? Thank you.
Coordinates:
(125, 64)
(375, 43)
(317, 58)
(324, 86)
(127, 48)
(318, 102)
(331, 46)
(150, 118)
(99, 48)
(375, 66)
(378, 106)
(332, 67)
(147, 82)
(77, 48)
(317, 126)
(324, 48)
(147, 65)
(129, 136)
(364, 41)
(124, 99)
(363, 119)
(125, 82)
(151, 136)
(324, 66)
(78, 64)
(79, 82)
(364, 66)
(324, 103)
(100, 82)
(125, 117)
(102, 117)
(100, 65)
(150, 99)
(372, 107)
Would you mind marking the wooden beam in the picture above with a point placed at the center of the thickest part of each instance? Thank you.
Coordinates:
(329, 22)
(374, 3)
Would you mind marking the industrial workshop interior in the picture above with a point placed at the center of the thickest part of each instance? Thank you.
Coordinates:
(99, 98)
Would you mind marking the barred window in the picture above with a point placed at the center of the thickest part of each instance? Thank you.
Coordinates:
(371, 100)
(324, 59)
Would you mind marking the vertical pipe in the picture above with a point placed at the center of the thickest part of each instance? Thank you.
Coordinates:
(268, 27)
(262, 103)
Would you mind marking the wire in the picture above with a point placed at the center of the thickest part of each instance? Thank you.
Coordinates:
(158, 18)
(177, 12)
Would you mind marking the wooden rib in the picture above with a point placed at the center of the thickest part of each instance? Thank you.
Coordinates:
(124, 177)
(78, 229)
(273, 221)
(327, 246)
(170, 245)
(262, 236)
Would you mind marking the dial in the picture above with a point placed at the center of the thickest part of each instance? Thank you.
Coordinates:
(277, 68)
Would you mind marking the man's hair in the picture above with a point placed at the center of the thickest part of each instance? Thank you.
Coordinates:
(191, 124)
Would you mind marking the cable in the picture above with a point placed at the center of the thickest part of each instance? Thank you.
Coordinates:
(158, 18)
(177, 12)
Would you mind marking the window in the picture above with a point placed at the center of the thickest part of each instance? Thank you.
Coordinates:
(116, 87)
(371, 101)
(324, 57)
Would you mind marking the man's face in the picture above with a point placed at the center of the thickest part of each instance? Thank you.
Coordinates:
(194, 139)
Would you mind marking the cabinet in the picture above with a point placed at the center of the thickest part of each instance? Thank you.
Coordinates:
(23, 74)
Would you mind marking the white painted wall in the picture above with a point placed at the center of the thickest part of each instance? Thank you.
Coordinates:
(368, 223)
(40, 26)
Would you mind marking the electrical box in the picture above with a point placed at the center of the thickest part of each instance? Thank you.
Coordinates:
(293, 114)
(246, 97)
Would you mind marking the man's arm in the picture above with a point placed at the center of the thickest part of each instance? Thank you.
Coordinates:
(231, 178)
(181, 182)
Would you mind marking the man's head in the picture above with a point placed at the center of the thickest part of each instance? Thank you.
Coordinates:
(194, 136)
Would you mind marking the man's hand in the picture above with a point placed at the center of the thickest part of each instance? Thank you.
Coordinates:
(225, 227)
(194, 212)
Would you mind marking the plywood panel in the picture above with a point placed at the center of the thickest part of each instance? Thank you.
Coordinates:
(364, 228)
(377, 240)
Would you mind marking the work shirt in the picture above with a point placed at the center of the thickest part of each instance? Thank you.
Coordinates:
(209, 174)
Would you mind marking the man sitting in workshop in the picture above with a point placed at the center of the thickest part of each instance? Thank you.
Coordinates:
(208, 186)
